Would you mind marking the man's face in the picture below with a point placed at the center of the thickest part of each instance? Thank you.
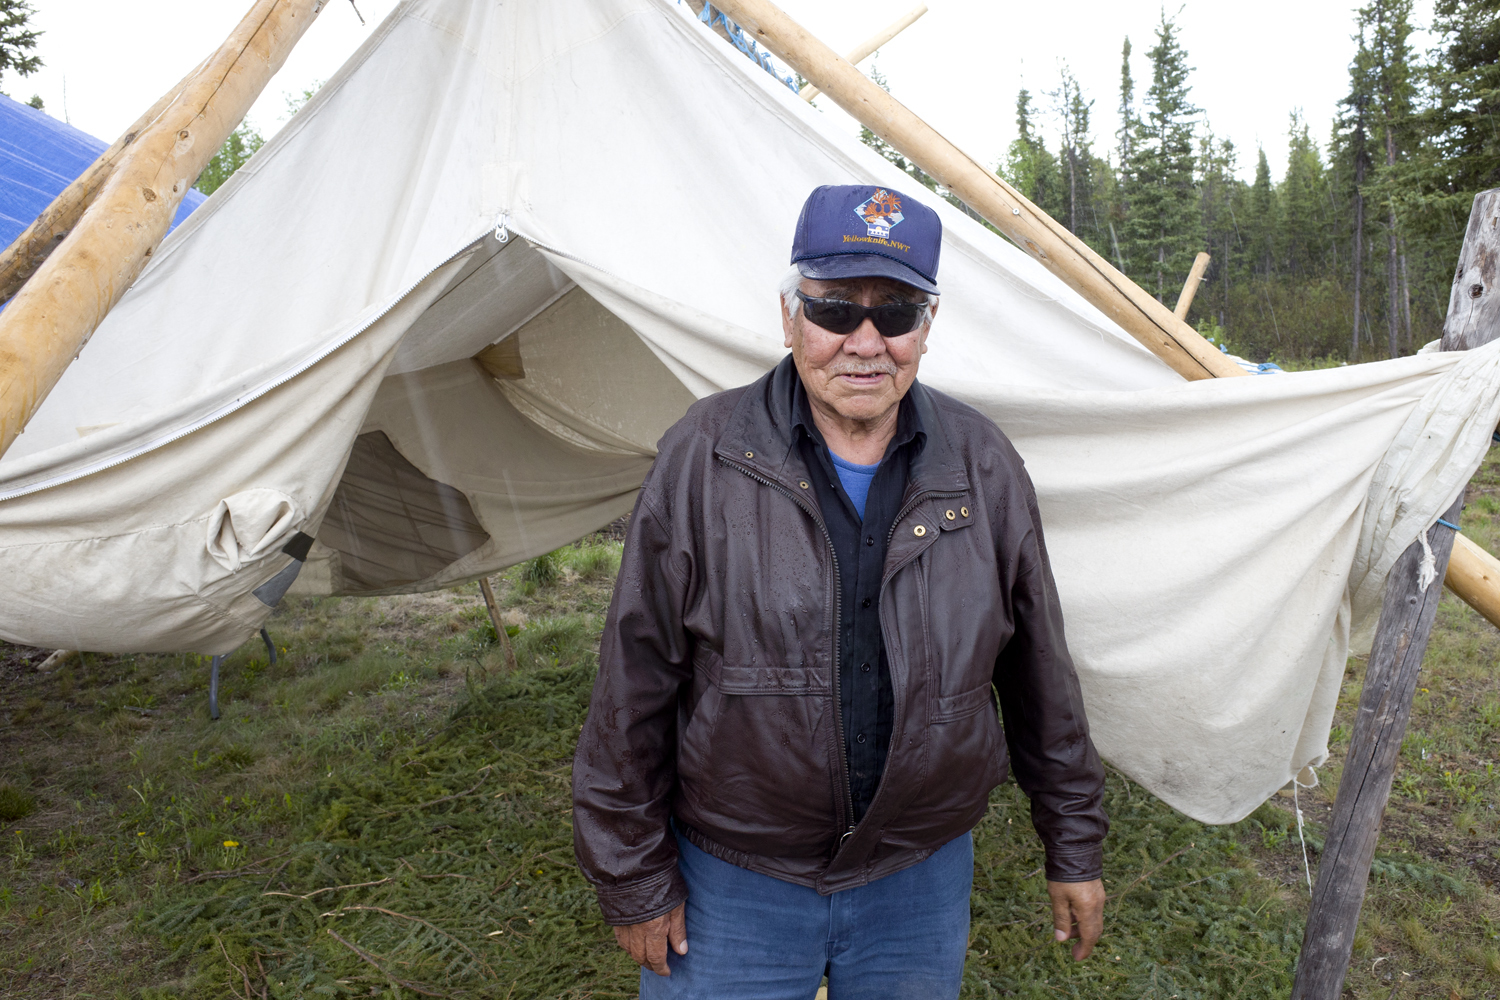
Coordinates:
(860, 376)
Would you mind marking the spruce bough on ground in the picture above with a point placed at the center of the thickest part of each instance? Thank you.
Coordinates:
(386, 812)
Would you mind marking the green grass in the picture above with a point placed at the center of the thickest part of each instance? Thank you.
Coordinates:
(385, 812)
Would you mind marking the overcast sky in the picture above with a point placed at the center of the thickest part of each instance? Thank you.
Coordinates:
(959, 67)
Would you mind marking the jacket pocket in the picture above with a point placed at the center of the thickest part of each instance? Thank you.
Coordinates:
(952, 707)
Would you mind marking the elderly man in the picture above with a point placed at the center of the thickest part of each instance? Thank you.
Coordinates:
(830, 576)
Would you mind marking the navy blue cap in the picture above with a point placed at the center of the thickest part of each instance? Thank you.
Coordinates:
(859, 231)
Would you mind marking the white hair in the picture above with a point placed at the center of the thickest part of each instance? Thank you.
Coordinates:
(791, 284)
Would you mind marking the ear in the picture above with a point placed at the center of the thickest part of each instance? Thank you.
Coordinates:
(787, 323)
(927, 327)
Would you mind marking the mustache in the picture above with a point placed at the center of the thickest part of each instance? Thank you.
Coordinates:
(862, 368)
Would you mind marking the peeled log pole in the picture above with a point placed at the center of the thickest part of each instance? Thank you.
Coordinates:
(1190, 287)
(1474, 577)
(1066, 256)
(866, 48)
(53, 315)
(27, 251)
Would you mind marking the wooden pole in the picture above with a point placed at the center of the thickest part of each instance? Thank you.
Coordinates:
(52, 317)
(27, 251)
(1474, 301)
(1190, 287)
(1119, 298)
(1406, 617)
(1474, 578)
(867, 48)
(500, 633)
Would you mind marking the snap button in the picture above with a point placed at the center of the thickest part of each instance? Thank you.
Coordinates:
(802, 483)
(749, 454)
(964, 511)
(949, 515)
(919, 530)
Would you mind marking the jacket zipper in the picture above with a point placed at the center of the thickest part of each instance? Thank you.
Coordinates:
(838, 603)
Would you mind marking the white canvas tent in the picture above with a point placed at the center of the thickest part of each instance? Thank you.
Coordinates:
(439, 322)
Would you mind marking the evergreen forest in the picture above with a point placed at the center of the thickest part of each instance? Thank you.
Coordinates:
(1349, 255)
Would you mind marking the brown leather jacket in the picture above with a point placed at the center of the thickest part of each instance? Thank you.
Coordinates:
(716, 703)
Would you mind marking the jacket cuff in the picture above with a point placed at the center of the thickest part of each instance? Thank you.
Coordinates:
(643, 899)
(1075, 864)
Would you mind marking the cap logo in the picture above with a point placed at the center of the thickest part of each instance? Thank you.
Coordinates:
(880, 212)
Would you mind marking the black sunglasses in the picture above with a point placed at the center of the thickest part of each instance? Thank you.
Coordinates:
(892, 319)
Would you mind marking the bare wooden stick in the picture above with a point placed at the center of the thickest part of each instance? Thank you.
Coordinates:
(27, 251)
(52, 317)
(425, 991)
(867, 48)
(501, 636)
(57, 659)
(1119, 298)
(1190, 287)
(1406, 618)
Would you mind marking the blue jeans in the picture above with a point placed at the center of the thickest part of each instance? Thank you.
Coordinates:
(754, 937)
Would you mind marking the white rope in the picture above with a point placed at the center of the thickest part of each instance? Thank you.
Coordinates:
(1428, 572)
(1296, 783)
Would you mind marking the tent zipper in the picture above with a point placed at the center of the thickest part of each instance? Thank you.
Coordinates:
(838, 603)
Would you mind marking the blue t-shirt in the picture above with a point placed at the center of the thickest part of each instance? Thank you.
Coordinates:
(856, 480)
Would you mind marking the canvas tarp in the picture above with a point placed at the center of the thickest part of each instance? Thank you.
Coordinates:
(439, 322)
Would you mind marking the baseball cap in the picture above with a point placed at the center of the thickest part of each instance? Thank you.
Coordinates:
(861, 231)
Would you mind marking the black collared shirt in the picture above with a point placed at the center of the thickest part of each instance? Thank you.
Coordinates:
(867, 704)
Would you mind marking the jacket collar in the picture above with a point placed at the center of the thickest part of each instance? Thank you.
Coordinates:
(761, 435)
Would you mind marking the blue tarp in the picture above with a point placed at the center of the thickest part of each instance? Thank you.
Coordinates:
(39, 156)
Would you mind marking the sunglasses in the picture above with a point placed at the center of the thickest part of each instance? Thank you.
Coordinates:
(892, 319)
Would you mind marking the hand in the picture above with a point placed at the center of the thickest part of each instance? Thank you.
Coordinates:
(647, 942)
(1078, 912)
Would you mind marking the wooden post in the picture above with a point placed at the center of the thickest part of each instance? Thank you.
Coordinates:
(1119, 298)
(52, 317)
(27, 251)
(1474, 301)
(1190, 287)
(866, 48)
(500, 635)
(1406, 618)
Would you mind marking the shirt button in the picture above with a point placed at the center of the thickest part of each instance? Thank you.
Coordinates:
(860, 738)
(869, 539)
(865, 603)
(865, 667)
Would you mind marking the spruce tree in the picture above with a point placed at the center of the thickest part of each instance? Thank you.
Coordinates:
(1029, 167)
(1304, 240)
(1350, 161)
(17, 41)
(1260, 222)
(1163, 229)
(1218, 189)
(1076, 157)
